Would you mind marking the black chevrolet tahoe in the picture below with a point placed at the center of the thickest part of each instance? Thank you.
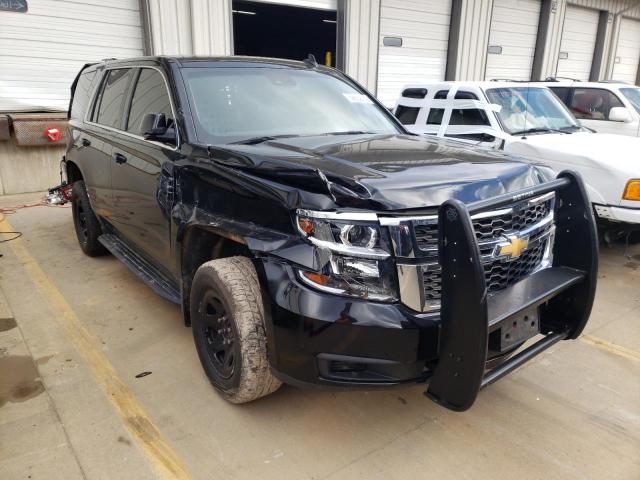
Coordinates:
(310, 239)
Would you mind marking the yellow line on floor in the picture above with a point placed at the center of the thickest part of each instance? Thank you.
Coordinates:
(148, 437)
(611, 347)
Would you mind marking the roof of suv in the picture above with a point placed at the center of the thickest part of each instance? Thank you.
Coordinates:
(184, 60)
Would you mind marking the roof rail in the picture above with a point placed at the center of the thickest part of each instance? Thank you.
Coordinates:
(508, 80)
(109, 59)
(557, 79)
(613, 81)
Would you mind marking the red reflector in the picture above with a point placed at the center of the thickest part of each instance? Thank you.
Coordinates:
(53, 133)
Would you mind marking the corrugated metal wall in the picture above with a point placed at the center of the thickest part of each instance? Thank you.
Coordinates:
(361, 49)
(471, 58)
(42, 50)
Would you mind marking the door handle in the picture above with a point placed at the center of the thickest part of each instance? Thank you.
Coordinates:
(86, 142)
(120, 159)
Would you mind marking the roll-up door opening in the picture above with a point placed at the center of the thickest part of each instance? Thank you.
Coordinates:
(284, 31)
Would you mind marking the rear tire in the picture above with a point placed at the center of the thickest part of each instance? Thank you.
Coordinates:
(227, 318)
(85, 221)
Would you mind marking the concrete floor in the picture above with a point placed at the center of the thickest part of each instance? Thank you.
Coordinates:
(81, 329)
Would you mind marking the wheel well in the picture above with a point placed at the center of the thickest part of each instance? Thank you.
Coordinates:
(73, 172)
(200, 245)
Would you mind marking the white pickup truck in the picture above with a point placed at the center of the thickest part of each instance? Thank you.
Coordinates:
(529, 120)
(605, 107)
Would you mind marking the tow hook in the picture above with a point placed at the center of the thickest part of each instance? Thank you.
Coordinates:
(60, 195)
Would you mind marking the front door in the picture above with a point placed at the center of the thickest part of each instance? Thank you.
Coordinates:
(142, 173)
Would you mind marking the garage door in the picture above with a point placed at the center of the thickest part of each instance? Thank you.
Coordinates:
(512, 39)
(419, 29)
(43, 49)
(578, 43)
(625, 68)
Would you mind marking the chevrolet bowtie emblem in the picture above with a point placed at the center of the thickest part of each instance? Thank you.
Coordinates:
(514, 247)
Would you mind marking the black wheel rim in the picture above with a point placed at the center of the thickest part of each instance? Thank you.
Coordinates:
(218, 334)
(81, 217)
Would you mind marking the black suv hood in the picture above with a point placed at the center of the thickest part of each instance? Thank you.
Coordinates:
(384, 172)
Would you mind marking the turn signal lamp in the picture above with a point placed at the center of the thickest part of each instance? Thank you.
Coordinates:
(632, 190)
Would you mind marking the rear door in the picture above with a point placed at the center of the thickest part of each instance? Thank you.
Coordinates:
(142, 171)
(95, 144)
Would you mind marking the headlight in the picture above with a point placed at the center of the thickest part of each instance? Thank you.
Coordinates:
(357, 260)
(632, 190)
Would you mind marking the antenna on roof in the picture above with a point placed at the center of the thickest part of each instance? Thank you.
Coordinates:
(310, 61)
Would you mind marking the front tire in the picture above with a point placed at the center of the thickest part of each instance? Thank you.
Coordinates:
(227, 318)
(85, 221)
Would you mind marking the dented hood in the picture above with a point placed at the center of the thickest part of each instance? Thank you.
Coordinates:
(384, 172)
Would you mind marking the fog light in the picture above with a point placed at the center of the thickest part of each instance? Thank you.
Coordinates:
(632, 190)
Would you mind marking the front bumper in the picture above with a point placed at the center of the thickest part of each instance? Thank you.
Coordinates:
(322, 339)
(618, 214)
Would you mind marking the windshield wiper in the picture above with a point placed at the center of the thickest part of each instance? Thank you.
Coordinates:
(351, 132)
(257, 140)
(540, 130)
(573, 128)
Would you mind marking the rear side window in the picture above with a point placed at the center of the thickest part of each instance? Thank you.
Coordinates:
(407, 115)
(435, 116)
(150, 96)
(468, 116)
(593, 103)
(415, 92)
(81, 95)
(562, 93)
(108, 109)
(462, 95)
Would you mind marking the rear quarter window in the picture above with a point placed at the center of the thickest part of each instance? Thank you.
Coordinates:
(81, 95)
(407, 115)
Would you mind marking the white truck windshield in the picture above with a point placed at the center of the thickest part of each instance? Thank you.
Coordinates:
(525, 109)
(633, 95)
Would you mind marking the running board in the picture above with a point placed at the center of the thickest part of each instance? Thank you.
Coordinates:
(149, 274)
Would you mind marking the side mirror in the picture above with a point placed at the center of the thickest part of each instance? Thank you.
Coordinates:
(154, 127)
(620, 114)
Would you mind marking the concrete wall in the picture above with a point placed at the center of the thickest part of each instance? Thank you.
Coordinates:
(28, 169)
(362, 30)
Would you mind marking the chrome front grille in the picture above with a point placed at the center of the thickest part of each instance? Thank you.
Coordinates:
(491, 227)
(531, 219)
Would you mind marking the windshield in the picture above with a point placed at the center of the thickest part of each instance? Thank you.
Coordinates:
(527, 108)
(633, 95)
(232, 104)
